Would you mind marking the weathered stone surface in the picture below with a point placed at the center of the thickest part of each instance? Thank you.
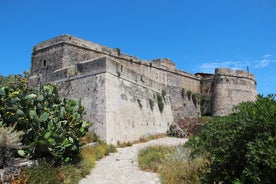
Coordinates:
(120, 91)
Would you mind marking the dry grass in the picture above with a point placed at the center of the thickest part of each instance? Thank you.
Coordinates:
(173, 164)
(141, 140)
(151, 158)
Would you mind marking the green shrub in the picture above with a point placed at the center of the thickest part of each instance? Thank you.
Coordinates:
(241, 146)
(179, 168)
(52, 127)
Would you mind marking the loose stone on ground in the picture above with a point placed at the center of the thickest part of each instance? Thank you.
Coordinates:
(122, 167)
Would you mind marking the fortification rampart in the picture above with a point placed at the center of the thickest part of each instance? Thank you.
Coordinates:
(118, 102)
(69, 50)
(127, 98)
(232, 87)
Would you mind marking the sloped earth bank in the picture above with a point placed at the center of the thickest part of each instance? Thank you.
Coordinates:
(122, 167)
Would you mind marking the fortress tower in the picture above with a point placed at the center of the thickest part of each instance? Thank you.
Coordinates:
(127, 98)
(231, 88)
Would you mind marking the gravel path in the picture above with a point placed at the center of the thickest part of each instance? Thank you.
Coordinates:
(122, 167)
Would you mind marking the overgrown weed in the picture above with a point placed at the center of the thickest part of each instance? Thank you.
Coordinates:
(151, 158)
(141, 140)
(173, 164)
(48, 173)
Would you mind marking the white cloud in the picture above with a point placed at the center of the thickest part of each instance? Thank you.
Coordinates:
(265, 61)
(210, 67)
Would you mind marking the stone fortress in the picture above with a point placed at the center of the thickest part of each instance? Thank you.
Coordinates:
(127, 98)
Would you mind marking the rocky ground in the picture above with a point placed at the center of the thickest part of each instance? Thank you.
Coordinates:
(122, 167)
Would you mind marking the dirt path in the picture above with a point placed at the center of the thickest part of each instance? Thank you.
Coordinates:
(122, 167)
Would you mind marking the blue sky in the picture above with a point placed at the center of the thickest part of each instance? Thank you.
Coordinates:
(198, 35)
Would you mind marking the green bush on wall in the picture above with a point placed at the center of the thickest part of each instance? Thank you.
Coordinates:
(183, 93)
(160, 103)
(139, 103)
(151, 102)
(164, 93)
(196, 98)
(189, 94)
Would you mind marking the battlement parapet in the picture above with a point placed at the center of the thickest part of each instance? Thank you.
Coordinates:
(83, 44)
(224, 71)
(69, 40)
(234, 73)
(164, 63)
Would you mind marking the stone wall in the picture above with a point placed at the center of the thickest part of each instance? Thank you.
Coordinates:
(91, 90)
(121, 93)
(118, 105)
(231, 88)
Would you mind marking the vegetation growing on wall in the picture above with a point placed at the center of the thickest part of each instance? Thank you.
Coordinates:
(119, 74)
(164, 93)
(196, 98)
(139, 103)
(151, 102)
(122, 67)
(189, 94)
(141, 79)
(204, 99)
(160, 103)
(118, 50)
(183, 93)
